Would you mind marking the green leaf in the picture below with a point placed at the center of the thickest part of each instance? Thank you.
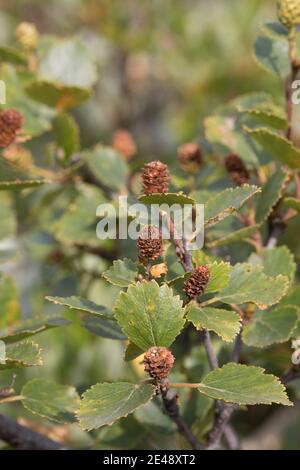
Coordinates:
(241, 235)
(273, 55)
(167, 198)
(78, 224)
(108, 166)
(23, 354)
(103, 327)
(57, 95)
(66, 61)
(270, 195)
(12, 56)
(276, 145)
(275, 261)
(248, 283)
(226, 135)
(149, 314)
(22, 184)
(30, 328)
(225, 323)
(82, 305)
(244, 385)
(261, 108)
(122, 273)
(275, 30)
(132, 352)
(219, 276)
(292, 202)
(275, 326)
(66, 133)
(55, 402)
(104, 403)
(227, 202)
(37, 117)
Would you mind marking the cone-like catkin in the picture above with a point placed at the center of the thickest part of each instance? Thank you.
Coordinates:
(155, 178)
(190, 157)
(236, 169)
(289, 12)
(11, 121)
(150, 243)
(124, 143)
(158, 362)
(197, 282)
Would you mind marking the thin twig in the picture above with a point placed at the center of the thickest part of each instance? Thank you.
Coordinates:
(22, 438)
(170, 400)
(292, 374)
(211, 355)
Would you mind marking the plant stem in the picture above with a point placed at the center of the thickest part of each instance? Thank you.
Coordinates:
(170, 400)
(11, 399)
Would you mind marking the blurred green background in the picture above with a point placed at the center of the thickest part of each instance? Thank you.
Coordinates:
(164, 65)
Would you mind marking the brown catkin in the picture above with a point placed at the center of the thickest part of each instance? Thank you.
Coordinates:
(155, 178)
(158, 362)
(236, 169)
(124, 143)
(190, 157)
(11, 121)
(197, 282)
(150, 243)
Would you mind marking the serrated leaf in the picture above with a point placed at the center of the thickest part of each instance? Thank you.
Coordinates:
(227, 202)
(270, 195)
(132, 352)
(292, 202)
(275, 261)
(275, 326)
(57, 95)
(103, 327)
(225, 323)
(52, 401)
(122, 273)
(219, 276)
(167, 198)
(29, 328)
(277, 146)
(273, 55)
(272, 117)
(108, 166)
(82, 305)
(238, 236)
(104, 403)
(23, 354)
(66, 133)
(12, 56)
(248, 283)
(244, 385)
(149, 314)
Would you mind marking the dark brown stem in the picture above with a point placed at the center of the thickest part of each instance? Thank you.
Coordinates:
(21, 438)
(221, 422)
(292, 374)
(170, 400)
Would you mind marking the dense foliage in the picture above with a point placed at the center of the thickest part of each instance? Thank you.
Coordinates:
(160, 346)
